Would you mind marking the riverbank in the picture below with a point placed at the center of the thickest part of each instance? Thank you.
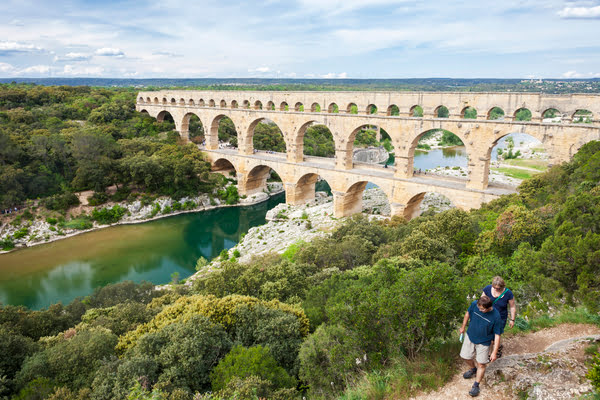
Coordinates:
(41, 231)
(288, 225)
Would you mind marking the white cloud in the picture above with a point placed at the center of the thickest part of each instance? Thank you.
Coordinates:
(580, 12)
(110, 52)
(35, 69)
(73, 57)
(17, 47)
(4, 67)
(261, 70)
(333, 75)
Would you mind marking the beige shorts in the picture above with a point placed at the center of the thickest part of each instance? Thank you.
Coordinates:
(479, 352)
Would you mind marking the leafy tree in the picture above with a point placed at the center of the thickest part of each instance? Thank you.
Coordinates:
(244, 362)
(330, 359)
(185, 352)
(318, 141)
(523, 115)
(70, 360)
(366, 138)
(268, 137)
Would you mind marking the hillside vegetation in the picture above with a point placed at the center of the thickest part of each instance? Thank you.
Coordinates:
(56, 140)
(374, 299)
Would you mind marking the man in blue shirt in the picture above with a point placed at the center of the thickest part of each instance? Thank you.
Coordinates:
(485, 326)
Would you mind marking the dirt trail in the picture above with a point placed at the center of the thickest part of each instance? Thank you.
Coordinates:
(502, 165)
(524, 344)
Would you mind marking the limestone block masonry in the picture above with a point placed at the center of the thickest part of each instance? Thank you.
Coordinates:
(294, 112)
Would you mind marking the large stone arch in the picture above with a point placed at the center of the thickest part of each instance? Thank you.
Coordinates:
(344, 144)
(407, 155)
(350, 200)
(212, 132)
(303, 190)
(185, 124)
(160, 117)
(249, 132)
(543, 139)
(413, 200)
(224, 166)
(255, 180)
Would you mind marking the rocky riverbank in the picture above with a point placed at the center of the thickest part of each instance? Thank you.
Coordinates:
(40, 230)
(372, 155)
(288, 224)
(462, 172)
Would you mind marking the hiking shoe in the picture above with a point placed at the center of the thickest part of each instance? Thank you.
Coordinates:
(474, 391)
(470, 373)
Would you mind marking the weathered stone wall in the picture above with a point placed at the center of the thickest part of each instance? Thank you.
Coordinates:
(456, 102)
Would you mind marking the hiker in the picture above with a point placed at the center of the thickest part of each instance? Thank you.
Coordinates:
(484, 327)
(501, 298)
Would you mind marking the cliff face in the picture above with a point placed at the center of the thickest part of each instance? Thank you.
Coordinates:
(372, 155)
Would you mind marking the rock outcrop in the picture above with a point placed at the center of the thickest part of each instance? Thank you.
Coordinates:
(371, 155)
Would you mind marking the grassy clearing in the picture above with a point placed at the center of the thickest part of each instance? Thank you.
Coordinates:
(406, 378)
(540, 165)
(515, 173)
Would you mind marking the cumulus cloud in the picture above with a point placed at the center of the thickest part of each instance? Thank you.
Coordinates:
(110, 52)
(73, 57)
(36, 70)
(7, 47)
(580, 12)
(333, 75)
(262, 70)
(4, 67)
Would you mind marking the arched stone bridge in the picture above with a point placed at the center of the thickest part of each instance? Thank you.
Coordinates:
(404, 191)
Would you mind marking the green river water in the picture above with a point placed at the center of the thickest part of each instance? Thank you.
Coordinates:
(65, 269)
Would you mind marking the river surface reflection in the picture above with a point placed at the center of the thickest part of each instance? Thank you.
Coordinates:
(63, 270)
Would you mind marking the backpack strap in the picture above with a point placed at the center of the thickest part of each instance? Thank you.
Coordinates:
(501, 296)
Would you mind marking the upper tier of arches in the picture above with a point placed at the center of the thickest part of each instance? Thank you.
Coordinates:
(480, 106)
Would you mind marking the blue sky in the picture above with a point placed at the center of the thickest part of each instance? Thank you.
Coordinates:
(300, 39)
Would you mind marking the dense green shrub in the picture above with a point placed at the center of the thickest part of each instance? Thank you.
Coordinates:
(61, 202)
(253, 387)
(276, 329)
(21, 233)
(119, 319)
(229, 195)
(78, 223)
(593, 373)
(242, 362)
(185, 352)
(70, 360)
(218, 310)
(107, 215)
(330, 359)
(7, 244)
(97, 198)
(266, 277)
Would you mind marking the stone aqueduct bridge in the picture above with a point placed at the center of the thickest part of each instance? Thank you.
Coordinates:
(348, 179)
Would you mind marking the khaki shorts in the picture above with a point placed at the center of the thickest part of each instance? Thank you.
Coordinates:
(479, 352)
